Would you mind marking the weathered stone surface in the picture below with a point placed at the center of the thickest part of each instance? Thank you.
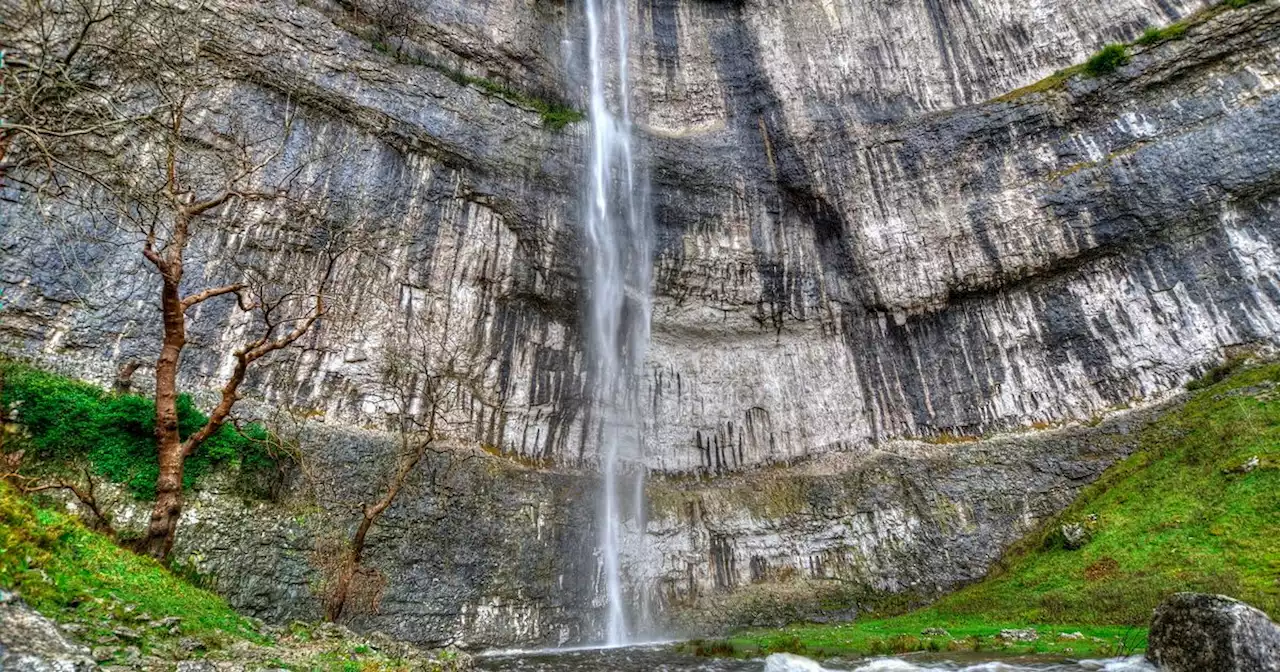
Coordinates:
(30, 642)
(486, 553)
(1212, 633)
(876, 272)
(852, 250)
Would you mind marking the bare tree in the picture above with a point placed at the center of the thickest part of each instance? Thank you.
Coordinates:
(64, 65)
(86, 494)
(147, 164)
(427, 374)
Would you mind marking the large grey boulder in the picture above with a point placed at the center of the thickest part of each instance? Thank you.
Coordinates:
(30, 642)
(1192, 632)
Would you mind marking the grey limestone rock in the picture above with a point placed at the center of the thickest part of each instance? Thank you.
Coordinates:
(1193, 632)
(860, 242)
(30, 642)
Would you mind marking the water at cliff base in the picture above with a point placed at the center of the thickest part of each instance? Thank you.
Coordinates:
(662, 659)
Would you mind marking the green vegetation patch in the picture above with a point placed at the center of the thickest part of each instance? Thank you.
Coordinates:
(115, 601)
(1196, 508)
(72, 575)
(1153, 35)
(1108, 60)
(924, 632)
(555, 116)
(66, 420)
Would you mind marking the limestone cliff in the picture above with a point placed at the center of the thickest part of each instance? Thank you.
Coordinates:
(858, 241)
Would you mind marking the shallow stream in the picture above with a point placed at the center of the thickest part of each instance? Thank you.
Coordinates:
(663, 659)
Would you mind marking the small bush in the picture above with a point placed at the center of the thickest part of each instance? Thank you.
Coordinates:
(1107, 60)
(67, 420)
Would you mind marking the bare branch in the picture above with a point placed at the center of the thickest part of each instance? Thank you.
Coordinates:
(200, 297)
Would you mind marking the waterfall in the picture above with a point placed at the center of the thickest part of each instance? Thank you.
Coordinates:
(617, 272)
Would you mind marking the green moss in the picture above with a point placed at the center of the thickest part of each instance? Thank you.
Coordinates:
(1180, 514)
(70, 574)
(67, 420)
(555, 116)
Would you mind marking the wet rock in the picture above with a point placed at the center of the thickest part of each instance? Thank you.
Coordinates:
(1194, 632)
(196, 666)
(30, 642)
(906, 265)
(789, 662)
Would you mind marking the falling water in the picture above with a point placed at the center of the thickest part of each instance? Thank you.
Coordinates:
(618, 271)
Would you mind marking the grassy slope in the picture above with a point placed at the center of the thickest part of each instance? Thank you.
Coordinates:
(110, 595)
(73, 575)
(1177, 515)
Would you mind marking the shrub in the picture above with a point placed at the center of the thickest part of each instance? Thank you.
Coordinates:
(1107, 60)
(67, 420)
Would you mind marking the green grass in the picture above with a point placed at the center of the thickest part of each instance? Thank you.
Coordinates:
(905, 635)
(67, 420)
(73, 575)
(1180, 514)
(1153, 35)
(83, 580)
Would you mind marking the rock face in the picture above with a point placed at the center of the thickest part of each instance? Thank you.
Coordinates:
(30, 642)
(1212, 633)
(883, 255)
(486, 553)
(853, 250)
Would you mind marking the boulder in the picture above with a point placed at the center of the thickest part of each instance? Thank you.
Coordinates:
(30, 642)
(1192, 632)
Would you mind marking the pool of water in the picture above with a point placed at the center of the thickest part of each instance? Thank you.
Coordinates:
(660, 658)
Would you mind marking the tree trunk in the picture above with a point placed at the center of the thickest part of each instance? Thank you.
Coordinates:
(350, 565)
(168, 507)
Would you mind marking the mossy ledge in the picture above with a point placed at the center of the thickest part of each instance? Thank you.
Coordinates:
(1112, 56)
